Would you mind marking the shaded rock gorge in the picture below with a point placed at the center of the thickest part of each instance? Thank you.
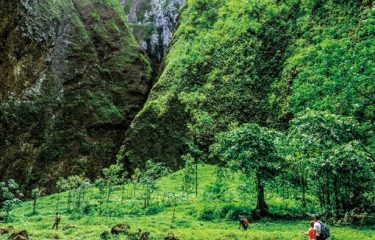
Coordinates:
(72, 80)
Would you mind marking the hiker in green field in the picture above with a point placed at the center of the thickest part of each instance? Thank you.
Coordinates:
(322, 231)
(244, 222)
(57, 221)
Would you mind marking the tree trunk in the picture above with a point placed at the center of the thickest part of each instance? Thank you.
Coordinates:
(303, 185)
(173, 214)
(57, 201)
(196, 178)
(261, 207)
(69, 198)
(79, 201)
(109, 193)
(34, 205)
(320, 196)
(122, 193)
(83, 198)
(337, 199)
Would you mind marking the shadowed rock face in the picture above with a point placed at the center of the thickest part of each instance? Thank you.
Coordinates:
(153, 22)
(72, 78)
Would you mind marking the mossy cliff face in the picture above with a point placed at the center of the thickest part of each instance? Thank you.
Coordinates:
(235, 62)
(153, 23)
(72, 80)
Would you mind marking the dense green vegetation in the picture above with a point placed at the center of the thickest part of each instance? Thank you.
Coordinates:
(281, 90)
(171, 212)
(261, 108)
(259, 62)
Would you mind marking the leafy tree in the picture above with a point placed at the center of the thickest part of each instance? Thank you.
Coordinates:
(173, 197)
(148, 178)
(135, 180)
(80, 185)
(9, 196)
(65, 185)
(335, 159)
(123, 181)
(217, 191)
(76, 187)
(189, 173)
(60, 187)
(36, 193)
(100, 184)
(250, 149)
(112, 176)
(200, 130)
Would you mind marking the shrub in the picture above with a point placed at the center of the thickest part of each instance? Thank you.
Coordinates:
(154, 209)
(230, 212)
(207, 214)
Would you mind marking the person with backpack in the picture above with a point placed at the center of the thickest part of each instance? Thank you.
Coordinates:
(322, 231)
(244, 222)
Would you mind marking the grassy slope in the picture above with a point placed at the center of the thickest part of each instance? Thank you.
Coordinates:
(186, 225)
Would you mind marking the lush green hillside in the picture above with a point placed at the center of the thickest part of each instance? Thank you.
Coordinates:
(255, 61)
(278, 95)
(199, 217)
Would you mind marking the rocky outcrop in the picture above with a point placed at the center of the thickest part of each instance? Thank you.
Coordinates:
(19, 235)
(72, 78)
(153, 22)
(120, 228)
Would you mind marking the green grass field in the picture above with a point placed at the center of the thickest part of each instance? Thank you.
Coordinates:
(158, 219)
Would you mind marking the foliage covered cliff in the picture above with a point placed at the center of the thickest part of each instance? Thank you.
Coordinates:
(72, 80)
(235, 62)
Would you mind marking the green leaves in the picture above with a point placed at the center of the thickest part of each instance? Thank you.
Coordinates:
(329, 150)
(337, 72)
(114, 174)
(250, 148)
(9, 196)
(148, 178)
(247, 148)
(317, 130)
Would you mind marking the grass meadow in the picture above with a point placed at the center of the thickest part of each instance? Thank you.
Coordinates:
(185, 217)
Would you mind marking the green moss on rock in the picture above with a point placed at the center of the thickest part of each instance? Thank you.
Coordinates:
(72, 79)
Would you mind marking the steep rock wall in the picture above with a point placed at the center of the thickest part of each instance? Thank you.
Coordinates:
(153, 22)
(72, 78)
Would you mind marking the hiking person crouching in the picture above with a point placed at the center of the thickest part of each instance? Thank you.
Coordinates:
(244, 222)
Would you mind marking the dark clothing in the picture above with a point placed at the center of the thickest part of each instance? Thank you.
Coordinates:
(245, 226)
(319, 238)
(55, 226)
(57, 221)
